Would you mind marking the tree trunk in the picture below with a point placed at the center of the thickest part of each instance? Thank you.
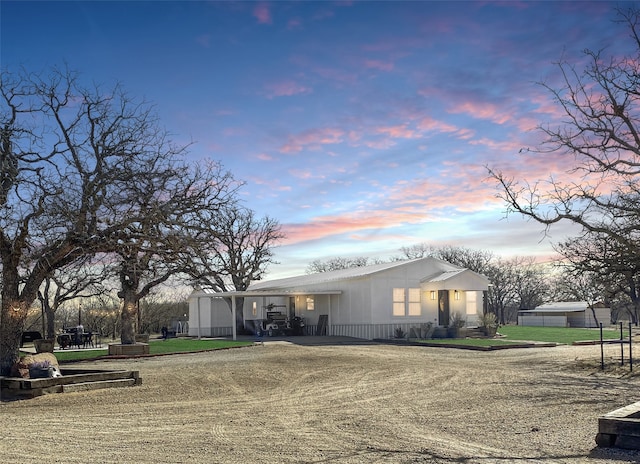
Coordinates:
(12, 320)
(129, 319)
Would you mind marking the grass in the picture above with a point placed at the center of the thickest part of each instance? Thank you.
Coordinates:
(515, 334)
(172, 345)
(555, 334)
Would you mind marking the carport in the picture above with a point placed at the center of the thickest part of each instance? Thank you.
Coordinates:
(265, 294)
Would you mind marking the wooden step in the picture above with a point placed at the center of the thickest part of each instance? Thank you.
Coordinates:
(85, 386)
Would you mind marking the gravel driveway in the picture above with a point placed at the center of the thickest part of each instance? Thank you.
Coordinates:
(345, 403)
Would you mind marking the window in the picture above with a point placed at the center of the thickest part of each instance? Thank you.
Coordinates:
(310, 304)
(472, 306)
(254, 309)
(414, 302)
(398, 302)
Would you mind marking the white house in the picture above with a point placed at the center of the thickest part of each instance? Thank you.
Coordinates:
(565, 314)
(364, 302)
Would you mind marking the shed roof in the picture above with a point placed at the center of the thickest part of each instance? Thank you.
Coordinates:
(559, 307)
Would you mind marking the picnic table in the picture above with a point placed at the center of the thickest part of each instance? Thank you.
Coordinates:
(79, 339)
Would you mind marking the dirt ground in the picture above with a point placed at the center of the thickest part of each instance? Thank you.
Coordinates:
(332, 403)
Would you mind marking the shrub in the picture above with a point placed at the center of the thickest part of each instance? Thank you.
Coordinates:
(488, 320)
(399, 333)
(456, 321)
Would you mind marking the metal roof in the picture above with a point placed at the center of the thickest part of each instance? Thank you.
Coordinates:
(559, 307)
(564, 306)
(446, 275)
(331, 276)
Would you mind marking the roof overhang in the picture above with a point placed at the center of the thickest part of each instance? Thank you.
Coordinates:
(257, 293)
(550, 311)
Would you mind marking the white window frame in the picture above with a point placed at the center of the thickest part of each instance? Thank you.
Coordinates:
(472, 303)
(414, 306)
(399, 302)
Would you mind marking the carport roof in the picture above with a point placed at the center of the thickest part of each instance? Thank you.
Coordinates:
(250, 293)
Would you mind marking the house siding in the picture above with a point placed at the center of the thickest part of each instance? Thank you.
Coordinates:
(362, 306)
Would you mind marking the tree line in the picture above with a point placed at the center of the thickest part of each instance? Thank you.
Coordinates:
(517, 283)
(95, 197)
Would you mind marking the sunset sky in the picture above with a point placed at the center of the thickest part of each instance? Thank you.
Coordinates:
(360, 126)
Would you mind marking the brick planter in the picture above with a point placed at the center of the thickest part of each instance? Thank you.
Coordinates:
(117, 349)
(44, 345)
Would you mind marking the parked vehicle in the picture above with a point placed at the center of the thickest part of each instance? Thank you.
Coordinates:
(278, 324)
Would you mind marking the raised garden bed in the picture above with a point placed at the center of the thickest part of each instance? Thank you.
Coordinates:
(620, 428)
(71, 380)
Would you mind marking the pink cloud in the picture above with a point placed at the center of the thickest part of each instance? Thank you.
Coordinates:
(262, 12)
(379, 65)
(294, 23)
(303, 174)
(234, 131)
(379, 144)
(349, 223)
(428, 124)
(285, 89)
(399, 132)
(264, 157)
(313, 139)
(482, 110)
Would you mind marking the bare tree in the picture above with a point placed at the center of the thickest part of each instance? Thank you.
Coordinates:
(337, 263)
(601, 269)
(601, 111)
(149, 251)
(81, 279)
(231, 248)
(69, 156)
(532, 283)
(161, 309)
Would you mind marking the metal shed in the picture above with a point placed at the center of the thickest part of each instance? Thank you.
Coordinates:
(565, 314)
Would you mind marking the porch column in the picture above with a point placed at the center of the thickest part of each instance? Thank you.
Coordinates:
(330, 331)
(233, 317)
(199, 323)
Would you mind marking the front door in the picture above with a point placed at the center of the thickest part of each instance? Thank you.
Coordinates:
(292, 307)
(443, 308)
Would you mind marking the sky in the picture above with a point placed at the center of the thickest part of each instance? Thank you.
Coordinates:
(362, 127)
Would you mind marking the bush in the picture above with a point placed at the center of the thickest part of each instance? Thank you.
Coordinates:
(399, 333)
(488, 320)
(456, 321)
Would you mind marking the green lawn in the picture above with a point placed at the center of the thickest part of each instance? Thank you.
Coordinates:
(555, 334)
(514, 334)
(172, 345)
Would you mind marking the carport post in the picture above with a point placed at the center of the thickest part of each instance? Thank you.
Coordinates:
(233, 317)
(199, 325)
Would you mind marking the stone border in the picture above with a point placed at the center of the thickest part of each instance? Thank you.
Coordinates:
(72, 380)
(461, 346)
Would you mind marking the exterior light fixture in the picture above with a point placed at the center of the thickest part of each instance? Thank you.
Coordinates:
(433, 294)
(456, 295)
